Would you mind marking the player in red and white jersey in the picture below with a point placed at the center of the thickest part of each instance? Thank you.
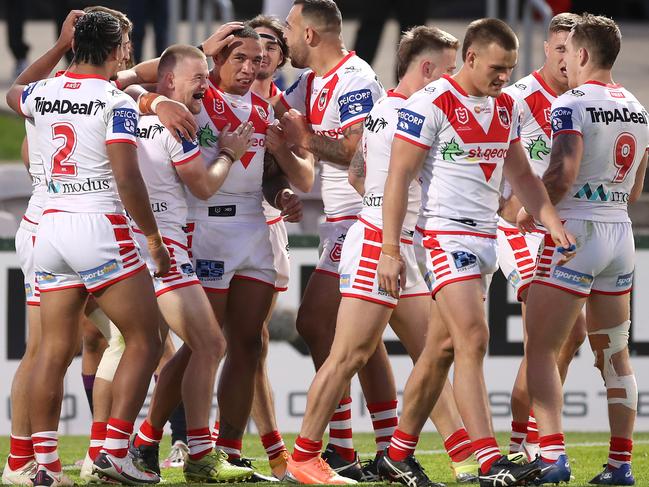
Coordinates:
(597, 165)
(517, 252)
(86, 128)
(460, 134)
(327, 106)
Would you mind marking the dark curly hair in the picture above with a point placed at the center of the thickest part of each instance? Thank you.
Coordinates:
(96, 35)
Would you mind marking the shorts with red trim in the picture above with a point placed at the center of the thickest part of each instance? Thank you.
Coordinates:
(360, 257)
(181, 272)
(517, 254)
(446, 257)
(25, 240)
(279, 244)
(332, 237)
(88, 250)
(603, 264)
(224, 251)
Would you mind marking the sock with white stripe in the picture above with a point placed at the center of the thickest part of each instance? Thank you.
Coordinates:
(215, 430)
(273, 444)
(97, 438)
(147, 435)
(340, 430)
(486, 452)
(458, 446)
(619, 451)
(552, 447)
(532, 430)
(231, 447)
(199, 441)
(384, 421)
(519, 432)
(306, 449)
(401, 445)
(45, 450)
(118, 433)
(21, 451)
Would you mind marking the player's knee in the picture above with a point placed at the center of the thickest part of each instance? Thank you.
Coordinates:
(473, 345)
(211, 344)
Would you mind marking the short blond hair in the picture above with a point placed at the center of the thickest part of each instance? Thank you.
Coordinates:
(420, 39)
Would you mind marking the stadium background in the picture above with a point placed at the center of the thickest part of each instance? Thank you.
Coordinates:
(585, 404)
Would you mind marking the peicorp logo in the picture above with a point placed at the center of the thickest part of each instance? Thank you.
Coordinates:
(410, 122)
(125, 121)
(354, 103)
(561, 119)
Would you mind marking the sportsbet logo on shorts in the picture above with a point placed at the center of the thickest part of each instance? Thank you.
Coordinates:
(100, 272)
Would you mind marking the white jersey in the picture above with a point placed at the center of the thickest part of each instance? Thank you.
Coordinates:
(332, 103)
(380, 126)
(159, 154)
(534, 98)
(240, 196)
(75, 117)
(467, 139)
(37, 173)
(614, 128)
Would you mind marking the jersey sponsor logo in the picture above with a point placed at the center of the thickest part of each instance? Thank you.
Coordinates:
(210, 270)
(561, 119)
(487, 154)
(115, 92)
(599, 115)
(331, 133)
(375, 125)
(410, 122)
(29, 293)
(187, 269)
(72, 85)
(616, 94)
(46, 278)
(345, 281)
(520, 86)
(430, 89)
(462, 115)
(574, 278)
(537, 148)
(624, 280)
(451, 150)
(503, 117)
(100, 272)
(373, 200)
(159, 206)
(600, 193)
(188, 145)
(206, 137)
(429, 279)
(464, 260)
(219, 105)
(576, 93)
(90, 185)
(63, 107)
(546, 114)
(149, 132)
(354, 103)
(336, 252)
(124, 121)
(351, 69)
(28, 90)
(482, 109)
(514, 278)
(222, 211)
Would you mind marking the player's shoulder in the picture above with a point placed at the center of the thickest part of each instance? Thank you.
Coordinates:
(573, 97)
(355, 72)
(301, 80)
(429, 93)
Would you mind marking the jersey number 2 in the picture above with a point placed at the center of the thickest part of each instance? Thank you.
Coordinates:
(61, 163)
(624, 155)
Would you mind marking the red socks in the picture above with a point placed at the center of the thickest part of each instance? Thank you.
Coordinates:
(118, 433)
(384, 421)
(45, 450)
(486, 452)
(458, 446)
(273, 444)
(401, 445)
(97, 439)
(340, 430)
(21, 451)
(306, 449)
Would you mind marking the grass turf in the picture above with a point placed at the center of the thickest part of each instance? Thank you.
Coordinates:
(587, 452)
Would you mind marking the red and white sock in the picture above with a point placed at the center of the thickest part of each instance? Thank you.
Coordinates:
(306, 449)
(21, 451)
(118, 433)
(401, 445)
(215, 430)
(273, 444)
(552, 447)
(340, 430)
(199, 442)
(231, 447)
(97, 438)
(458, 446)
(384, 421)
(532, 430)
(486, 452)
(147, 435)
(519, 432)
(619, 451)
(45, 450)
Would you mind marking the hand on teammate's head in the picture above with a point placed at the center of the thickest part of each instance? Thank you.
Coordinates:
(67, 28)
(220, 39)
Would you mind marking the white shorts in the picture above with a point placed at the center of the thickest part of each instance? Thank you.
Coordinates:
(517, 255)
(279, 244)
(25, 240)
(332, 237)
(90, 250)
(181, 273)
(360, 256)
(603, 264)
(446, 257)
(224, 251)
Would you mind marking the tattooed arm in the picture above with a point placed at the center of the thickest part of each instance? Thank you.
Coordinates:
(356, 175)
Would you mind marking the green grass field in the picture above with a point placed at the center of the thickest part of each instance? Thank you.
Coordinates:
(587, 451)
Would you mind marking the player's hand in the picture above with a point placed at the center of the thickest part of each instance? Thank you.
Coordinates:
(392, 273)
(295, 128)
(220, 39)
(238, 141)
(159, 253)
(291, 206)
(525, 221)
(565, 242)
(67, 28)
(275, 141)
(177, 118)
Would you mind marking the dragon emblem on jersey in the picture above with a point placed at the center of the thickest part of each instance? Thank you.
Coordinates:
(206, 137)
(503, 116)
(462, 115)
(450, 150)
(261, 112)
(322, 99)
(537, 148)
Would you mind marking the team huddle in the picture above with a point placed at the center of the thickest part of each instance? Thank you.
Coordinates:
(160, 193)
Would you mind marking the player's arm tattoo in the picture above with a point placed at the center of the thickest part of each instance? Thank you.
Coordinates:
(338, 151)
(274, 180)
(564, 166)
(357, 166)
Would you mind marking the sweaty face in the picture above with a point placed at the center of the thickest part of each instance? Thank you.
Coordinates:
(190, 82)
(272, 53)
(492, 68)
(555, 52)
(571, 59)
(239, 67)
(294, 34)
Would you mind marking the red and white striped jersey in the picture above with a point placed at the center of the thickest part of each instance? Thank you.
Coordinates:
(615, 131)
(467, 139)
(240, 196)
(37, 173)
(379, 130)
(332, 103)
(75, 117)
